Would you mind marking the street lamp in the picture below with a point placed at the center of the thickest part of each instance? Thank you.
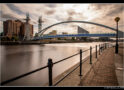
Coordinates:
(116, 47)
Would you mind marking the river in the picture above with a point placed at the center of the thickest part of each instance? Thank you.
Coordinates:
(20, 59)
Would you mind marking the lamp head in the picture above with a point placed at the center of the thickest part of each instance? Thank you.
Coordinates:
(117, 19)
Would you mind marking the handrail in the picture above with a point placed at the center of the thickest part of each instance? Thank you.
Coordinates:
(23, 75)
(66, 76)
(26, 74)
(65, 58)
(71, 71)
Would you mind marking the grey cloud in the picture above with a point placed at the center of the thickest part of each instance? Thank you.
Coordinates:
(70, 18)
(73, 25)
(8, 16)
(113, 8)
(71, 12)
(10, 11)
(15, 8)
(51, 5)
(100, 6)
(49, 12)
(117, 10)
(58, 18)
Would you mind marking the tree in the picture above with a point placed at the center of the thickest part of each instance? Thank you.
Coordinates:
(59, 38)
(64, 33)
(73, 38)
(4, 39)
(36, 35)
(54, 32)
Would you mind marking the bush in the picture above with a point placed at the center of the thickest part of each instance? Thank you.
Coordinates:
(14, 38)
(5, 39)
(59, 38)
(73, 38)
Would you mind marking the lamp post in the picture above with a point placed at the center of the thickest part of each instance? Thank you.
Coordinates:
(116, 47)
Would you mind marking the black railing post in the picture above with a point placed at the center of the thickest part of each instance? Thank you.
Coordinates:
(90, 55)
(99, 49)
(96, 51)
(80, 62)
(50, 65)
(105, 45)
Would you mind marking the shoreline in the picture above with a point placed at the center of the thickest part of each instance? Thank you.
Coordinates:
(39, 42)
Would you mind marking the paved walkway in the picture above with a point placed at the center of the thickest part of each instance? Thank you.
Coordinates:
(102, 72)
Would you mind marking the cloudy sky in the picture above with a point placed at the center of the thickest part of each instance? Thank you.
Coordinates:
(55, 12)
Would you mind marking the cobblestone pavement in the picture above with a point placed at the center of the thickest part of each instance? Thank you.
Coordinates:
(102, 73)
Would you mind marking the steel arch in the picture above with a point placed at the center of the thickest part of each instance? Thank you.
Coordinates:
(45, 29)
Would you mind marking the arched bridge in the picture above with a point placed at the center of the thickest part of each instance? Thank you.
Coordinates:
(45, 29)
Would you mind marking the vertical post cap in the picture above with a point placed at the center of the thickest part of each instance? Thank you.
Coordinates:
(80, 50)
(50, 63)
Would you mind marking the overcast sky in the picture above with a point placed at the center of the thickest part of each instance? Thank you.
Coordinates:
(53, 13)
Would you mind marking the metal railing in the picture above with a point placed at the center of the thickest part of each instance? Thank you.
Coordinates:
(50, 65)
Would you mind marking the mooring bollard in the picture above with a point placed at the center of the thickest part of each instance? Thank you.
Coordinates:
(80, 62)
(96, 51)
(50, 65)
(90, 55)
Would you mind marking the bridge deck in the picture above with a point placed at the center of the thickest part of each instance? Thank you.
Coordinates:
(76, 35)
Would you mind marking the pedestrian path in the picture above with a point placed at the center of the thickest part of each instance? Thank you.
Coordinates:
(102, 72)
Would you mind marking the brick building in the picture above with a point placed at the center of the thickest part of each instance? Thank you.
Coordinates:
(15, 28)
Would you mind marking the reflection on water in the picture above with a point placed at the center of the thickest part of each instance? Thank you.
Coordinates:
(20, 59)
